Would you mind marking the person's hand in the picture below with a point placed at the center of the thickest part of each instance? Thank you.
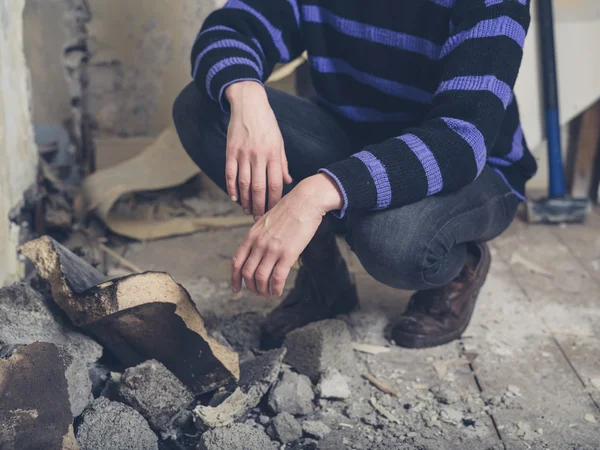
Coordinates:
(276, 241)
(255, 152)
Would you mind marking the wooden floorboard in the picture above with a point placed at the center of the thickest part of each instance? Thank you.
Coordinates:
(507, 335)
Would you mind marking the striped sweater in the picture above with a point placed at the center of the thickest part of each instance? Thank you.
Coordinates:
(431, 79)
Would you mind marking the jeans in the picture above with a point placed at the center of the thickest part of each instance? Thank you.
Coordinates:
(415, 247)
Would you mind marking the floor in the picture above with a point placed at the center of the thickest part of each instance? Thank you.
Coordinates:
(535, 332)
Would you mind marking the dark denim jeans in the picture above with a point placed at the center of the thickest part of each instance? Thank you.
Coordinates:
(415, 247)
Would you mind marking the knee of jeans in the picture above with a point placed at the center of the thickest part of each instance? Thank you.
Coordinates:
(391, 261)
(192, 105)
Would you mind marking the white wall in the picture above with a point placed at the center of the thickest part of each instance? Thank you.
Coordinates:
(18, 155)
(577, 33)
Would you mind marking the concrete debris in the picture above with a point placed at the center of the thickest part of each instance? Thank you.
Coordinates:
(138, 317)
(333, 385)
(357, 410)
(320, 346)
(589, 418)
(158, 396)
(26, 317)
(292, 394)
(284, 428)
(110, 425)
(508, 400)
(451, 416)
(242, 332)
(525, 432)
(315, 428)
(35, 397)
(444, 395)
(441, 369)
(384, 412)
(256, 377)
(236, 437)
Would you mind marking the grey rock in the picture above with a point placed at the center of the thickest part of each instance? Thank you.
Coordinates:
(26, 317)
(444, 395)
(158, 395)
(256, 377)
(358, 410)
(242, 332)
(236, 437)
(313, 349)
(100, 376)
(264, 420)
(292, 394)
(315, 428)
(333, 385)
(110, 425)
(284, 428)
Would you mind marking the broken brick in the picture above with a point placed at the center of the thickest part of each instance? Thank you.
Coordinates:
(138, 317)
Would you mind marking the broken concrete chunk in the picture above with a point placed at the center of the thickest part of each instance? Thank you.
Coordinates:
(242, 332)
(333, 385)
(138, 317)
(236, 437)
(319, 346)
(26, 317)
(159, 396)
(34, 399)
(292, 394)
(315, 428)
(257, 376)
(284, 428)
(110, 425)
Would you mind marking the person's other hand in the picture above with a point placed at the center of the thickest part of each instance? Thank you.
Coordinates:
(256, 161)
(275, 242)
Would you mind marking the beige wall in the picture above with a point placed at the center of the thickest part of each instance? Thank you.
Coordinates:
(139, 60)
(18, 155)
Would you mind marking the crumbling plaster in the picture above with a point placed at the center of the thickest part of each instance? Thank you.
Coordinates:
(139, 60)
(18, 155)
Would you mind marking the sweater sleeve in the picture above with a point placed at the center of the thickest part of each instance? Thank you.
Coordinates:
(448, 150)
(243, 41)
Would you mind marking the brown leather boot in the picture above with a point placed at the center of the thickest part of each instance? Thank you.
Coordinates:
(438, 316)
(324, 289)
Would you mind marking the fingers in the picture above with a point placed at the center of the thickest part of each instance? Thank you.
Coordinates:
(274, 175)
(259, 188)
(244, 183)
(237, 264)
(249, 269)
(287, 178)
(262, 276)
(231, 173)
(279, 276)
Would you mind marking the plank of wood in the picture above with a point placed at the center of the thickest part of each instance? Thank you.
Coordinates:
(515, 355)
(583, 169)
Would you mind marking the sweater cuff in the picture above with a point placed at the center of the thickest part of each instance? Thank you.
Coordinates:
(225, 73)
(342, 212)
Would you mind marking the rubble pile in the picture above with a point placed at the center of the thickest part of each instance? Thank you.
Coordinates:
(127, 364)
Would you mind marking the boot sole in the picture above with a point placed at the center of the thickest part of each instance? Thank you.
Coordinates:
(411, 340)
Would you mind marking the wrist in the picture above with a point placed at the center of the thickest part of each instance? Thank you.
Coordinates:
(323, 192)
(234, 93)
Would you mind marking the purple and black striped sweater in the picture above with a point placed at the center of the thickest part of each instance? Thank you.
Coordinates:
(435, 76)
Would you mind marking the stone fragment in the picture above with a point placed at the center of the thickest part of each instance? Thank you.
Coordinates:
(236, 437)
(357, 410)
(138, 317)
(257, 376)
(292, 394)
(451, 416)
(26, 317)
(333, 385)
(158, 396)
(110, 425)
(320, 346)
(444, 395)
(285, 428)
(264, 420)
(35, 412)
(242, 332)
(589, 418)
(315, 428)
